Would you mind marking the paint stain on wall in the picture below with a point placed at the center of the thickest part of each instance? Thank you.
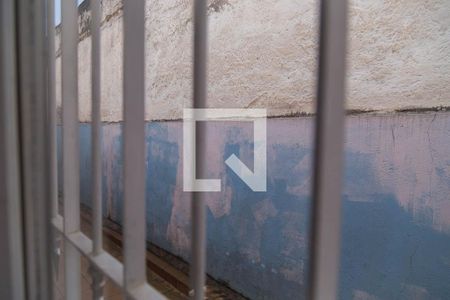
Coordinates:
(396, 225)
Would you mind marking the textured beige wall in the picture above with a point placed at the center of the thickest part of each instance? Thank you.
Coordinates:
(263, 54)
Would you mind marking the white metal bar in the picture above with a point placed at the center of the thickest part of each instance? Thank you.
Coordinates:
(31, 58)
(134, 148)
(96, 127)
(25, 58)
(51, 94)
(107, 264)
(71, 168)
(12, 285)
(326, 217)
(98, 281)
(52, 132)
(144, 291)
(198, 210)
(57, 223)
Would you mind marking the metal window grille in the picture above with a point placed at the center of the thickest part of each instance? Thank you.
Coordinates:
(28, 166)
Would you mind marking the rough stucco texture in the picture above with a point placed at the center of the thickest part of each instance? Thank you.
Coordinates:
(263, 54)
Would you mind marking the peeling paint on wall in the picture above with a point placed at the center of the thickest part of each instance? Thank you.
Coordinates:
(396, 205)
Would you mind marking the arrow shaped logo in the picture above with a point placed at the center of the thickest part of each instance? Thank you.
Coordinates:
(256, 180)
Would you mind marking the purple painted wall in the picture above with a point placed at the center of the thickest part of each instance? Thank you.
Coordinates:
(396, 204)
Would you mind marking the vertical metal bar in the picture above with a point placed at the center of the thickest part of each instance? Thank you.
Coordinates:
(52, 142)
(134, 144)
(329, 141)
(98, 280)
(12, 284)
(51, 94)
(96, 128)
(198, 243)
(71, 167)
(32, 56)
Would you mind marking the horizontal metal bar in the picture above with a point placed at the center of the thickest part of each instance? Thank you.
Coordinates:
(145, 291)
(57, 222)
(329, 144)
(106, 263)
